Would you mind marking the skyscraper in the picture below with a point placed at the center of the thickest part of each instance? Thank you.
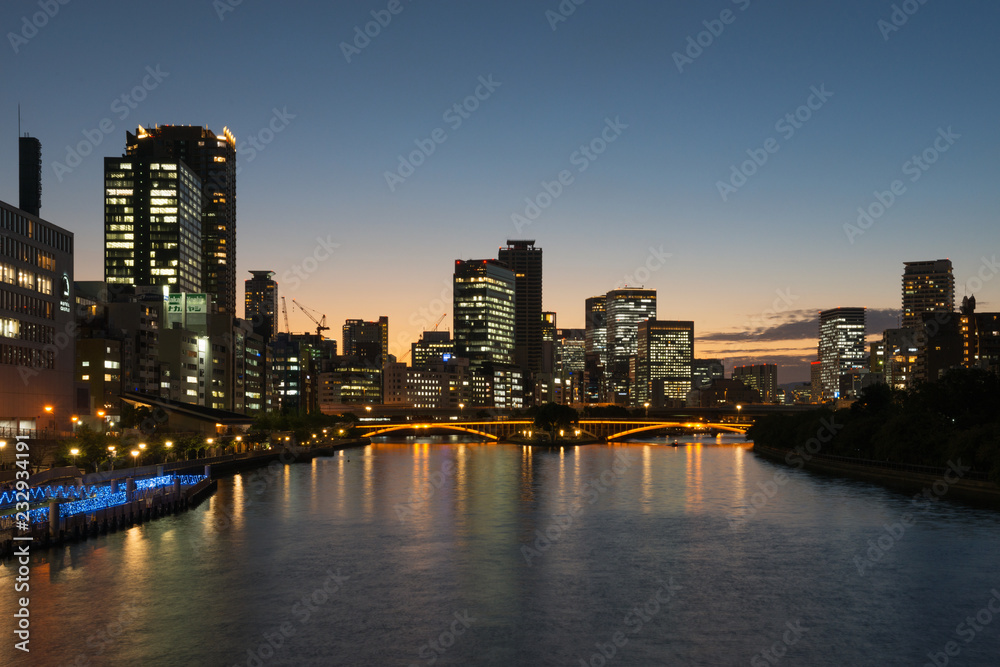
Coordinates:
(484, 329)
(625, 309)
(928, 287)
(525, 260)
(261, 303)
(152, 224)
(762, 377)
(484, 311)
(841, 347)
(213, 158)
(596, 348)
(368, 341)
(664, 352)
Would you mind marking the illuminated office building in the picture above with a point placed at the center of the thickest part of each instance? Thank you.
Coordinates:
(762, 377)
(261, 303)
(624, 310)
(36, 304)
(841, 347)
(212, 158)
(484, 329)
(664, 352)
(152, 224)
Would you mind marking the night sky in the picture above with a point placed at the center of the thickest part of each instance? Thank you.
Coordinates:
(642, 126)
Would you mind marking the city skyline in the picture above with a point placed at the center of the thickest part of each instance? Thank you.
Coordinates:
(758, 258)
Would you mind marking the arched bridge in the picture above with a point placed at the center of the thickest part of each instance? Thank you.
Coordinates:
(608, 429)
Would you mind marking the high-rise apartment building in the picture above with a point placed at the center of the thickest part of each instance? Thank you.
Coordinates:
(152, 224)
(762, 377)
(625, 309)
(841, 347)
(664, 352)
(261, 303)
(928, 287)
(212, 157)
(368, 341)
(525, 260)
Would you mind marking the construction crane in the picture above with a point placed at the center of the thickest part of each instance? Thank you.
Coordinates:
(435, 328)
(320, 323)
(284, 311)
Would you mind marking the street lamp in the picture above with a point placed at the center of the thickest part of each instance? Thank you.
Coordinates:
(368, 409)
(101, 413)
(738, 409)
(169, 445)
(75, 421)
(646, 405)
(142, 448)
(112, 454)
(73, 452)
(3, 443)
(135, 457)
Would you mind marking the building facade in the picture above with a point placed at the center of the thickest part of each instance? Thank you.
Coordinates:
(762, 377)
(928, 287)
(37, 328)
(152, 224)
(841, 347)
(525, 261)
(212, 158)
(665, 350)
(260, 296)
(624, 310)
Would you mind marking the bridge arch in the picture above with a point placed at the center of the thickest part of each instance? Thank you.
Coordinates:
(443, 426)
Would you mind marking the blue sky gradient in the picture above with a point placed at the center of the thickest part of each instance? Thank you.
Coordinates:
(778, 237)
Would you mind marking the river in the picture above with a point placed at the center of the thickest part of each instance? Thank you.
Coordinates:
(442, 552)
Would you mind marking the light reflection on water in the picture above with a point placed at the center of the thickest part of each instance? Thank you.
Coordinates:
(427, 528)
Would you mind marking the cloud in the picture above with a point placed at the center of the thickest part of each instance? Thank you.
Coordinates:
(797, 325)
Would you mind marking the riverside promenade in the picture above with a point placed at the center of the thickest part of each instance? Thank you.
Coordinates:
(66, 506)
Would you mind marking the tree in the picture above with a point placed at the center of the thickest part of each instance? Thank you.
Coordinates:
(553, 416)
